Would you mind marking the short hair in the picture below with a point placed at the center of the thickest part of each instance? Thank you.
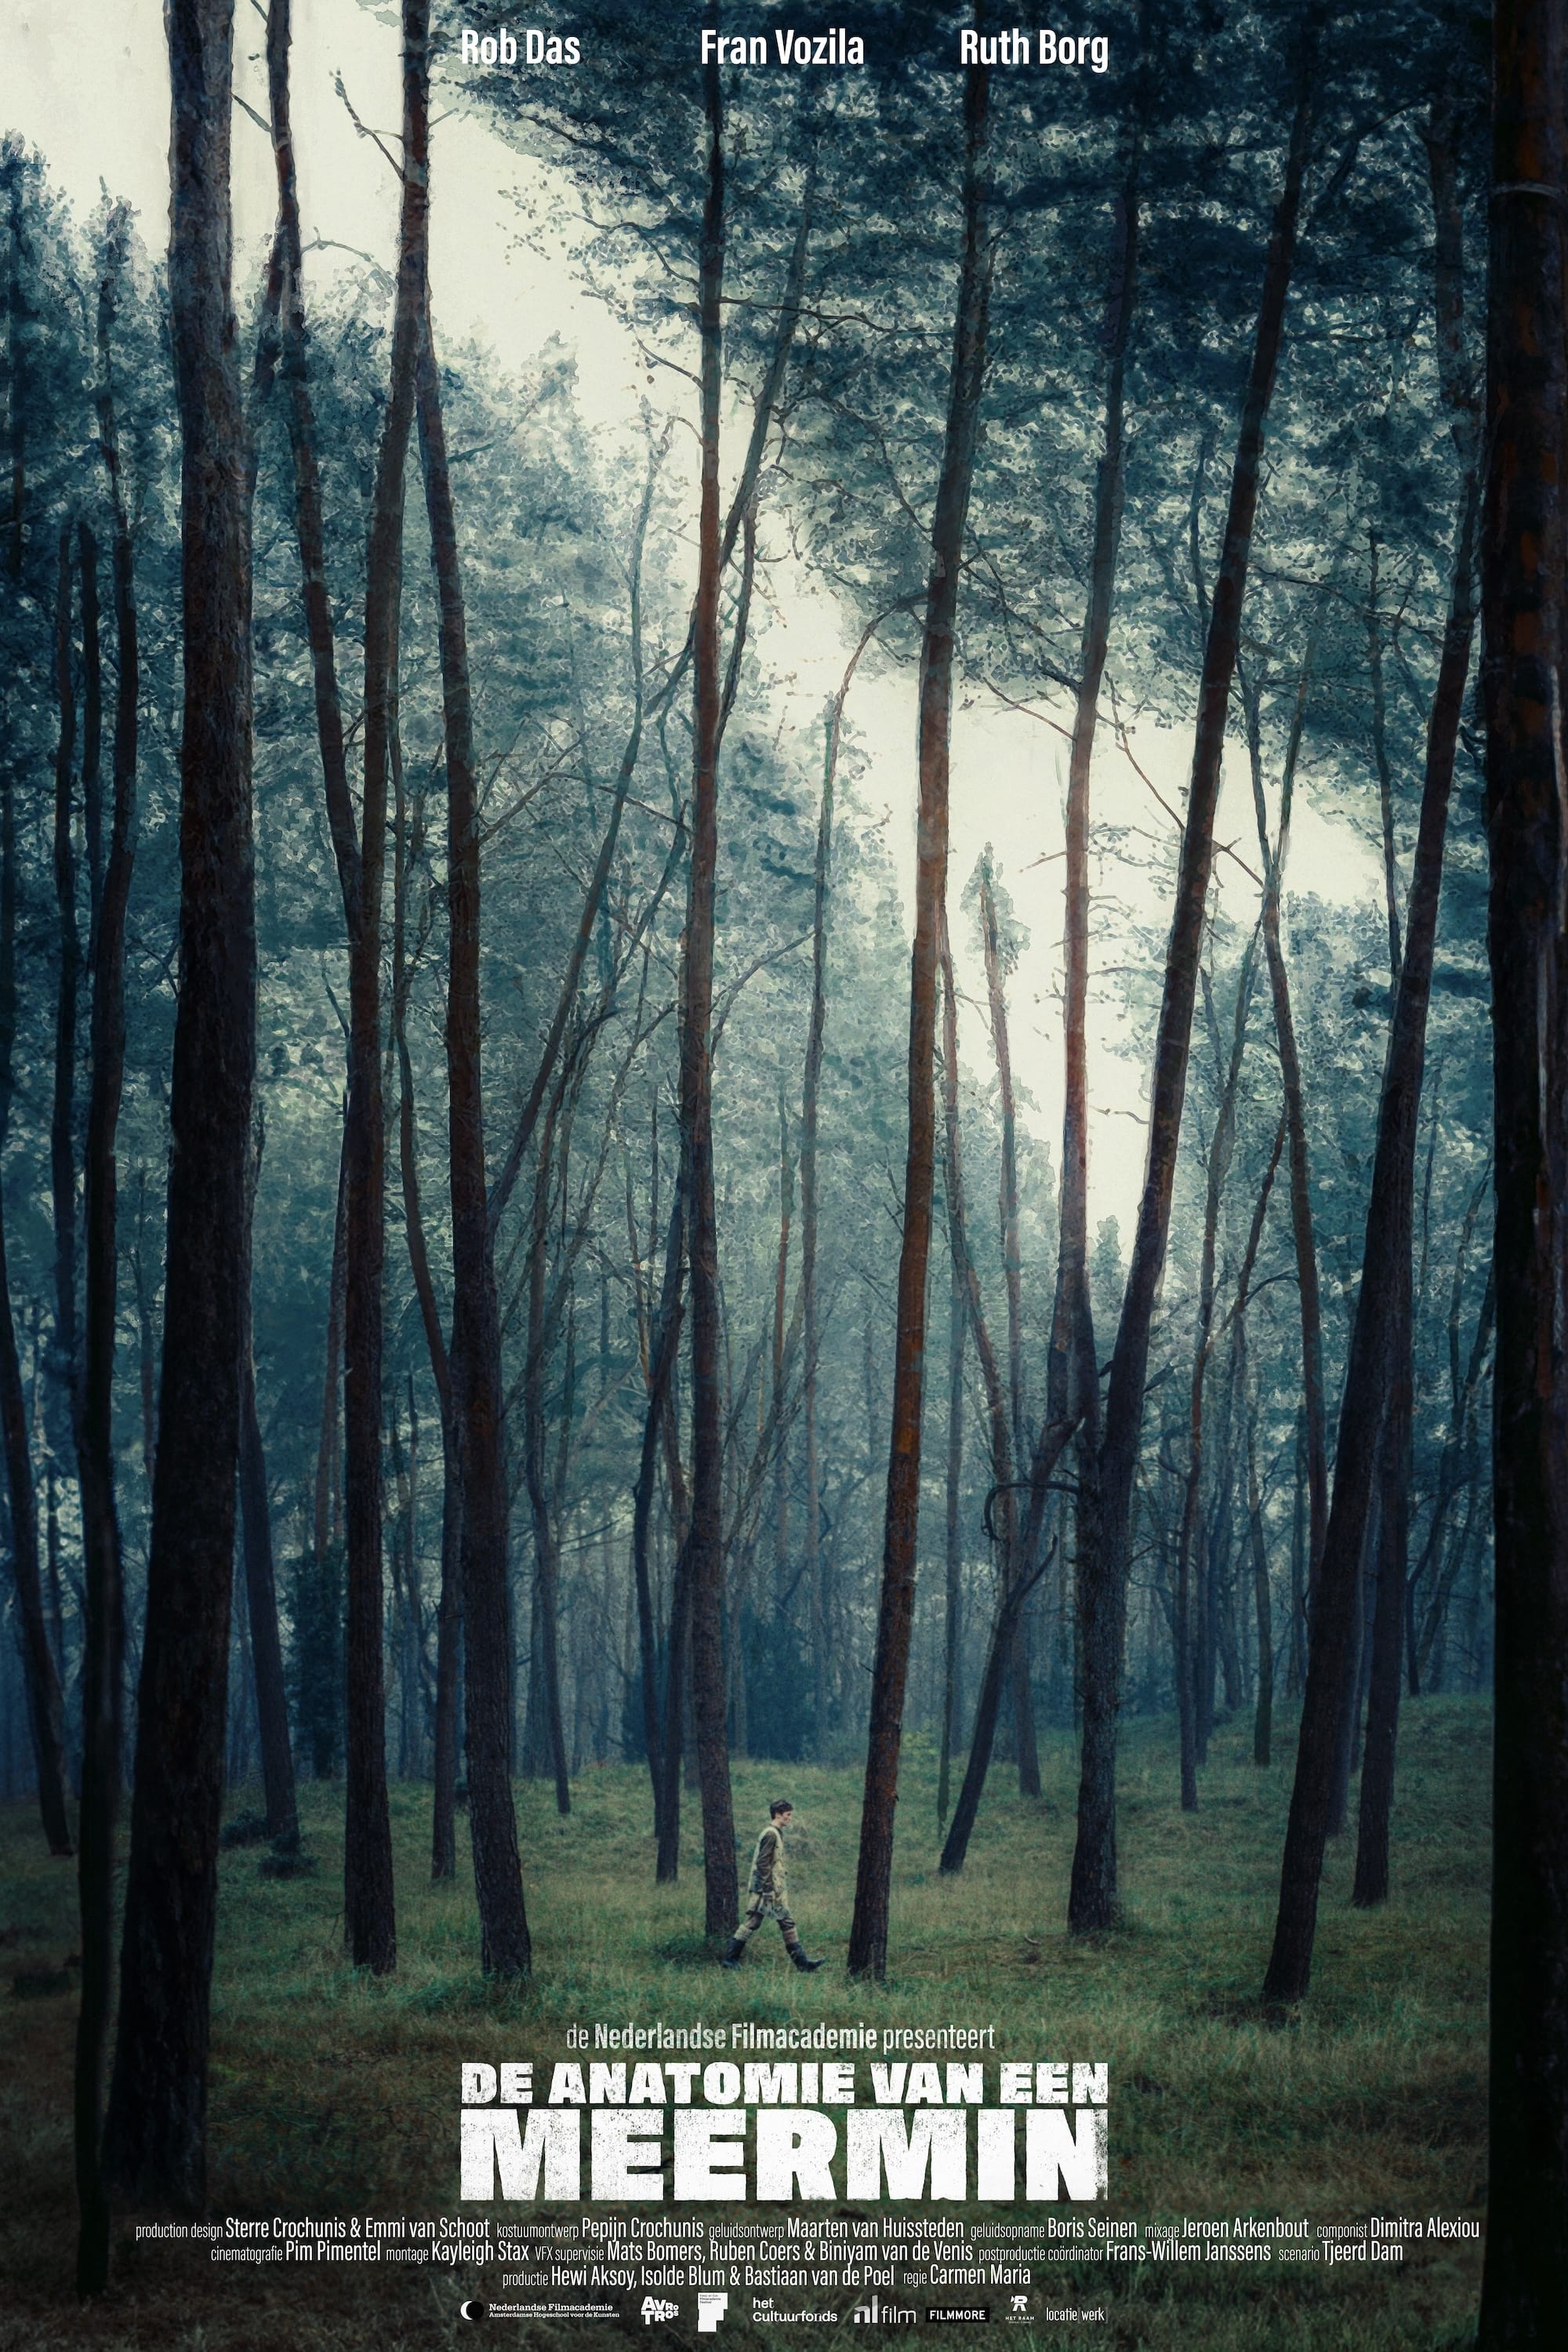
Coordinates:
(779, 1805)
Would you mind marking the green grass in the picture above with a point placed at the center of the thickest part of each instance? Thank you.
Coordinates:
(332, 2092)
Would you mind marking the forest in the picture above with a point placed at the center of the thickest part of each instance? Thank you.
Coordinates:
(547, 1229)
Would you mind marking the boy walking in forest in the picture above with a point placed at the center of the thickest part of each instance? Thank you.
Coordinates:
(767, 1894)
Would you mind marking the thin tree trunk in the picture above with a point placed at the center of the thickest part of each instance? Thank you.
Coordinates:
(868, 1930)
(1263, 1717)
(477, 1409)
(369, 1905)
(66, 1365)
(544, 1687)
(260, 1580)
(46, 1705)
(1013, 1277)
(1072, 1378)
(1002, 1508)
(1102, 1580)
(103, 1668)
(1380, 1341)
(1194, 1683)
(663, 1345)
(322, 1530)
(953, 1619)
(157, 2112)
(781, 1450)
(1314, 1411)
(705, 1545)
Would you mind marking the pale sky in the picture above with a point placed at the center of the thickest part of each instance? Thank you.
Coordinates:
(87, 83)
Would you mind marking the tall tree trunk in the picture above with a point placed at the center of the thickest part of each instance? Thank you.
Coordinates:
(1102, 1580)
(1314, 1411)
(104, 1644)
(322, 1530)
(1262, 1720)
(952, 1614)
(260, 1579)
(1524, 2292)
(664, 1341)
(1194, 1683)
(407, 840)
(868, 1930)
(1379, 1360)
(1013, 1278)
(705, 1542)
(46, 1705)
(1072, 1376)
(477, 1406)
(65, 1364)
(781, 1279)
(1001, 1507)
(369, 1909)
(157, 2112)
(544, 1687)
(16, 343)
(1263, 1716)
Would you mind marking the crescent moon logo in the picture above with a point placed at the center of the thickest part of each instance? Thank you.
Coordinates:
(473, 2308)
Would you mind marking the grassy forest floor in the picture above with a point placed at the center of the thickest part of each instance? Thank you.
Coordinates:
(338, 2093)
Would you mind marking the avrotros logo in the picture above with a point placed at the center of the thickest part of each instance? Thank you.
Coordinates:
(655, 2307)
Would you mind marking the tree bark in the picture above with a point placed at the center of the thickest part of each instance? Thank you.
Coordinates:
(65, 1364)
(705, 1545)
(1314, 1411)
(544, 1682)
(104, 1644)
(868, 1930)
(1524, 2292)
(1072, 1376)
(157, 2114)
(46, 1705)
(664, 1341)
(369, 1908)
(1028, 1757)
(1378, 1367)
(261, 1584)
(478, 1409)
(1102, 1580)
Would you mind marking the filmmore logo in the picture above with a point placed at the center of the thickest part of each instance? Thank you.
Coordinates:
(876, 2313)
(654, 2307)
(711, 2310)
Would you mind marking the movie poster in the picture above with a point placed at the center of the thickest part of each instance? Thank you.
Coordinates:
(747, 1479)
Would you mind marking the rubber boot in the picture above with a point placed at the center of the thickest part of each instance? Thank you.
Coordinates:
(807, 1966)
(734, 1953)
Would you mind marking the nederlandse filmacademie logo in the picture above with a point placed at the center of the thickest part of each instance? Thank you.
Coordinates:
(655, 2307)
(875, 2313)
(473, 2308)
